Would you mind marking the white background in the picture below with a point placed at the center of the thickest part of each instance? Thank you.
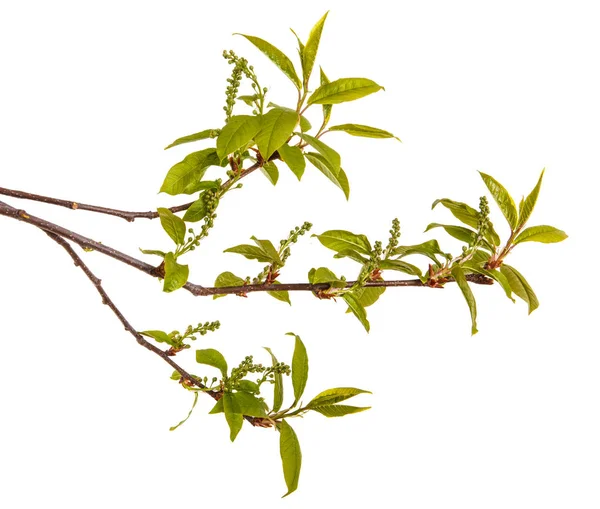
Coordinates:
(90, 94)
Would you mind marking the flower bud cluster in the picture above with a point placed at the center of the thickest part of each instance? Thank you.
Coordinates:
(394, 236)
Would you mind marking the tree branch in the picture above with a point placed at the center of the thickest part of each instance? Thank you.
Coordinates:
(186, 377)
(124, 214)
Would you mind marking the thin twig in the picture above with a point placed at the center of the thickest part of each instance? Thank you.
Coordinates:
(124, 214)
(216, 395)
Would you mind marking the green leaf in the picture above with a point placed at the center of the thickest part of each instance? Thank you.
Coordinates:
(339, 178)
(227, 279)
(358, 310)
(283, 296)
(494, 274)
(252, 253)
(277, 57)
(202, 135)
(309, 53)
(156, 252)
(339, 410)
(305, 125)
(236, 134)
(173, 225)
(270, 170)
(158, 335)
(176, 275)
(201, 185)
(212, 357)
(368, 296)
(467, 215)
(293, 157)
(342, 240)
(332, 396)
(401, 266)
(278, 386)
(458, 232)
(248, 99)
(330, 155)
(276, 127)
(353, 255)
(218, 408)
(197, 210)
(173, 428)
(430, 248)
(189, 171)
(503, 199)
(268, 248)
(363, 131)
(246, 404)
(461, 281)
(291, 456)
(299, 368)
(248, 386)
(234, 419)
(342, 90)
(520, 286)
(543, 233)
(526, 206)
(326, 107)
(324, 275)
(176, 376)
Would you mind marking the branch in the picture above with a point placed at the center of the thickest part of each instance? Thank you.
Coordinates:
(124, 214)
(186, 377)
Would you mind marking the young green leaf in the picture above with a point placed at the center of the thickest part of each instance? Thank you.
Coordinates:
(248, 386)
(367, 296)
(461, 281)
(278, 385)
(202, 135)
(353, 255)
(309, 54)
(358, 310)
(240, 130)
(156, 252)
(227, 279)
(268, 247)
(254, 253)
(246, 404)
(173, 225)
(324, 275)
(503, 199)
(292, 156)
(291, 456)
(363, 131)
(176, 275)
(158, 335)
(494, 274)
(277, 57)
(197, 210)
(270, 170)
(212, 357)
(342, 240)
(527, 204)
(283, 295)
(326, 107)
(330, 155)
(249, 99)
(342, 90)
(543, 233)
(332, 396)
(201, 185)
(299, 368)
(276, 127)
(401, 266)
(467, 215)
(218, 408)
(339, 178)
(173, 428)
(234, 419)
(459, 232)
(430, 248)
(520, 286)
(339, 410)
(189, 171)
